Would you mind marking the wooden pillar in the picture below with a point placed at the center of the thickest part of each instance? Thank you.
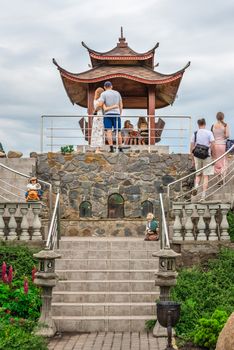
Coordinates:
(151, 113)
(90, 110)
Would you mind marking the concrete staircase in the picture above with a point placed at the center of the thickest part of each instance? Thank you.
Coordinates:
(105, 284)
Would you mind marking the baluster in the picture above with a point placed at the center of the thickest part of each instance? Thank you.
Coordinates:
(2, 223)
(213, 224)
(36, 235)
(189, 236)
(201, 223)
(224, 236)
(24, 236)
(177, 227)
(12, 235)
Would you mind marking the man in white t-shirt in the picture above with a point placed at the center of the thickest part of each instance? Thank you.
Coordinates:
(202, 137)
(112, 98)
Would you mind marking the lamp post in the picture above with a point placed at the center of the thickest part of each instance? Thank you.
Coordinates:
(168, 314)
(46, 279)
(165, 278)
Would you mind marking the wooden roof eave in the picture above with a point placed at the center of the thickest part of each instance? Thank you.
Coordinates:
(98, 53)
(145, 81)
(75, 77)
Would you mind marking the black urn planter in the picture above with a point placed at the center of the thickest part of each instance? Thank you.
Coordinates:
(168, 314)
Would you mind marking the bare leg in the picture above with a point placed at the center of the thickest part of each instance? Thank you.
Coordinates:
(120, 139)
(197, 180)
(196, 184)
(205, 183)
(109, 137)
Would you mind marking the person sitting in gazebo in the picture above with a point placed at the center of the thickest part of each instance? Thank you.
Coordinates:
(143, 130)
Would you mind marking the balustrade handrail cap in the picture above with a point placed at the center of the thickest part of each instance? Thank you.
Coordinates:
(225, 205)
(201, 205)
(166, 253)
(196, 243)
(47, 254)
(178, 204)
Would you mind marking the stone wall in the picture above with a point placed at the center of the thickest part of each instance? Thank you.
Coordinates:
(103, 227)
(195, 253)
(94, 177)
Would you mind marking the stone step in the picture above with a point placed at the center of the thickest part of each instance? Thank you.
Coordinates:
(101, 323)
(106, 274)
(109, 264)
(105, 284)
(105, 297)
(105, 243)
(106, 254)
(110, 285)
(105, 309)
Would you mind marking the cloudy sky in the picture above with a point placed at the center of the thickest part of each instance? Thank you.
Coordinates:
(32, 32)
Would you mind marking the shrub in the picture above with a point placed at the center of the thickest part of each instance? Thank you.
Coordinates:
(149, 325)
(67, 149)
(19, 304)
(19, 308)
(15, 337)
(207, 330)
(20, 257)
(201, 290)
(230, 218)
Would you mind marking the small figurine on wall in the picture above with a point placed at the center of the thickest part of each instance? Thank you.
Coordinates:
(152, 228)
(34, 192)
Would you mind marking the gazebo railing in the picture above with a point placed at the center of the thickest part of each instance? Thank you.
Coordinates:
(63, 130)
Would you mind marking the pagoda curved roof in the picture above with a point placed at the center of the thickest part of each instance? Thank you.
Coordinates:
(141, 74)
(131, 81)
(121, 50)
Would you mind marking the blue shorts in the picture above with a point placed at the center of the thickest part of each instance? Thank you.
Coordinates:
(110, 121)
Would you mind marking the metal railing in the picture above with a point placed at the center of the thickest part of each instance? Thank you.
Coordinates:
(214, 181)
(164, 243)
(21, 189)
(58, 131)
(54, 229)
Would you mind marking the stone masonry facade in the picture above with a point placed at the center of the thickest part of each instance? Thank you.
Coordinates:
(91, 177)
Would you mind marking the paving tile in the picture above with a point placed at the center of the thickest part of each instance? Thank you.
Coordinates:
(108, 341)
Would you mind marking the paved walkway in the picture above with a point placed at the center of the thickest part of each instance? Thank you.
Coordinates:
(108, 341)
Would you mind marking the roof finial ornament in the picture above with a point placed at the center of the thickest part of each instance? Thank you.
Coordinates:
(122, 42)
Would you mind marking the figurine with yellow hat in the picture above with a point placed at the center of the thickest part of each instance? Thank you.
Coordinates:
(34, 192)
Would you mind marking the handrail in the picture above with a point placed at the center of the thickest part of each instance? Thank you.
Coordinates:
(28, 176)
(210, 187)
(54, 230)
(7, 183)
(197, 171)
(164, 231)
(57, 135)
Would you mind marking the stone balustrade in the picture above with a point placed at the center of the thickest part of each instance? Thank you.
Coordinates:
(20, 221)
(200, 221)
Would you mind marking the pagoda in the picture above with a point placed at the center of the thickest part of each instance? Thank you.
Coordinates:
(131, 73)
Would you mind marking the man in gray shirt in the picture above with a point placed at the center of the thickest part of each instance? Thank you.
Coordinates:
(202, 137)
(111, 98)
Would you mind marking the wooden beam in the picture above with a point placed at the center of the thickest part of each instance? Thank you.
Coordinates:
(90, 110)
(151, 113)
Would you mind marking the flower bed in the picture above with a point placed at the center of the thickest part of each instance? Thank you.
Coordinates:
(20, 300)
